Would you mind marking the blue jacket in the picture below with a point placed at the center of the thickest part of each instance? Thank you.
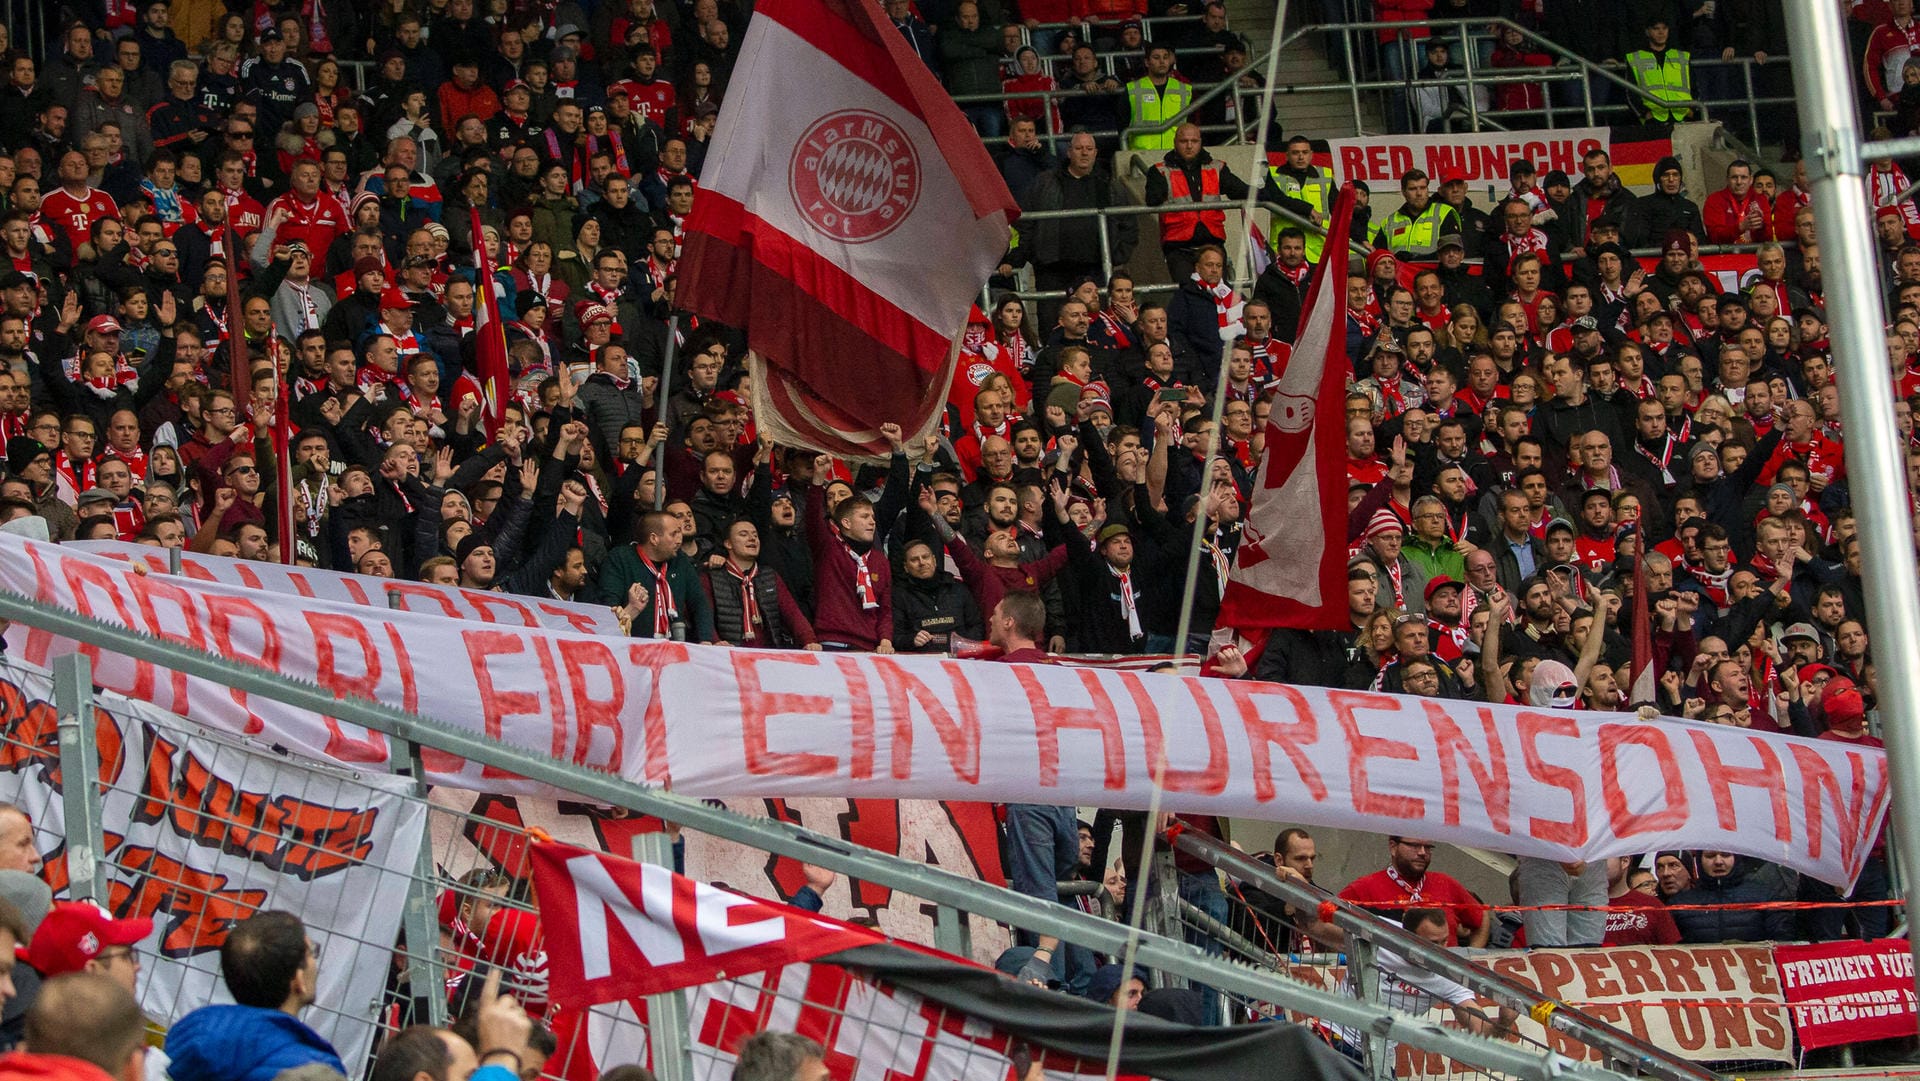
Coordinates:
(243, 1043)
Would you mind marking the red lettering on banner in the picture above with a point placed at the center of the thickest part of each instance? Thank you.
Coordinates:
(550, 673)
(406, 591)
(579, 621)
(1361, 747)
(300, 584)
(1766, 776)
(326, 672)
(655, 657)
(1353, 162)
(484, 605)
(1595, 969)
(246, 576)
(1677, 965)
(496, 704)
(1758, 961)
(1573, 832)
(354, 590)
(581, 658)
(1443, 160)
(1552, 972)
(222, 614)
(1210, 779)
(860, 709)
(1628, 823)
(1452, 749)
(145, 676)
(153, 588)
(1293, 738)
(756, 705)
(959, 731)
(1721, 961)
(194, 569)
(1636, 974)
(202, 906)
(1049, 719)
(1817, 784)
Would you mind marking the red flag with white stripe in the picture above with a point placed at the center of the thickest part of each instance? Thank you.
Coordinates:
(847, 218)
(1291, 566)
(489, 336)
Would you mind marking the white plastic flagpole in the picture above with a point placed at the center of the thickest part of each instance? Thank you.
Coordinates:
(1876, 470)
(1254, 184)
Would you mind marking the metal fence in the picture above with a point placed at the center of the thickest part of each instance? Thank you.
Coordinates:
(441, 881)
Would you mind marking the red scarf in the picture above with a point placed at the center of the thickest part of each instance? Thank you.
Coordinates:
(663, 606)
(749, 603)
(1224, 305)
(863, 585)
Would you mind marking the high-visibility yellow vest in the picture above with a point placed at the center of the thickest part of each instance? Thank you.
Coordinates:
(1668, 77)
(1155, 107)
(1316, 192)
(1420, 233)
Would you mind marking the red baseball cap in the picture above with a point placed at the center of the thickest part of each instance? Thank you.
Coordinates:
(103, 324)
(75, 932)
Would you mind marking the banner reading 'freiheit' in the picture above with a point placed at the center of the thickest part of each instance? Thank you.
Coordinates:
(713, 721)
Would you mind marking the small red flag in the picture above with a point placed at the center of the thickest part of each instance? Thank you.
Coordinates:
(490, 336)
(616, 929)
(1291, 567)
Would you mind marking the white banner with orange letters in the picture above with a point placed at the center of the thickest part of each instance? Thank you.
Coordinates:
(713, 721)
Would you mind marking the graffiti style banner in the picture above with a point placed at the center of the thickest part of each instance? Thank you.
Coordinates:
(200, 833)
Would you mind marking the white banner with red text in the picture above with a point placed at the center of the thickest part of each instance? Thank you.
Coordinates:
(1701, 1003)
(198, 833)
(713, 721)
(316, 584)
(1481, 158)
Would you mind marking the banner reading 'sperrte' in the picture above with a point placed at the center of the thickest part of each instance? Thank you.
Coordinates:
(713, 721)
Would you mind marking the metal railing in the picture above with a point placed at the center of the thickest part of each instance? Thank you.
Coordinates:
(1624, 1051)
(934, 885)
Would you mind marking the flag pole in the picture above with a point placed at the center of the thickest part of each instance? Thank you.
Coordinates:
(236, 336)
(1254, 184)
(667, 362)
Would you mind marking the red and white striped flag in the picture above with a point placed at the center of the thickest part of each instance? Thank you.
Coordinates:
(847, 218)
(1291, 566)
(489, 336)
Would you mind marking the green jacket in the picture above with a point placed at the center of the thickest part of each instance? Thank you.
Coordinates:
(1436, 559)
(690, 603)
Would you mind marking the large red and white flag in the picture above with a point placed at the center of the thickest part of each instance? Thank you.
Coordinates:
(847, 218)
(617, 929)
(489, 336)
(1290, 570)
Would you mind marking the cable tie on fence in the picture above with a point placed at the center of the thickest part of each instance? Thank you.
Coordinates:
(540, 835)
(1542, 1010)
(1174, 830)
(1327, 911)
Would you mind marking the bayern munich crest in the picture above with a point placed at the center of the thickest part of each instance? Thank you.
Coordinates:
(855, 176)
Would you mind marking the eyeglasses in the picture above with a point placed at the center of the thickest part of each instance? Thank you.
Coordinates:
(241, 471)
(225, 410)
(240, 135)
(165, 251)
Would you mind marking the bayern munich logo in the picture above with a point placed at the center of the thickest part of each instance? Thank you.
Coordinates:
(855, 176)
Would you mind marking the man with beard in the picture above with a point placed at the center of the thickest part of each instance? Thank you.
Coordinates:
(1407, 879)
(1283, 285)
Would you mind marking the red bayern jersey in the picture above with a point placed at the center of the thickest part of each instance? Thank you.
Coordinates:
(651, 100)
(74, 215)
(1435, 890)
(317, 223)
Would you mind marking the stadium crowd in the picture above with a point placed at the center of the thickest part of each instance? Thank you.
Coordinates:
(1521, 431)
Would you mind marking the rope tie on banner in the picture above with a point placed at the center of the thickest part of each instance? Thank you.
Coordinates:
(1543, 1010)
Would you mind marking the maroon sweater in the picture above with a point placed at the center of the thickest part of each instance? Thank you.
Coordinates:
(838, 615)
(989, 582)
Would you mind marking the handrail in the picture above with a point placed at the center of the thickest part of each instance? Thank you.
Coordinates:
(793, 840)
(1356, 922)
